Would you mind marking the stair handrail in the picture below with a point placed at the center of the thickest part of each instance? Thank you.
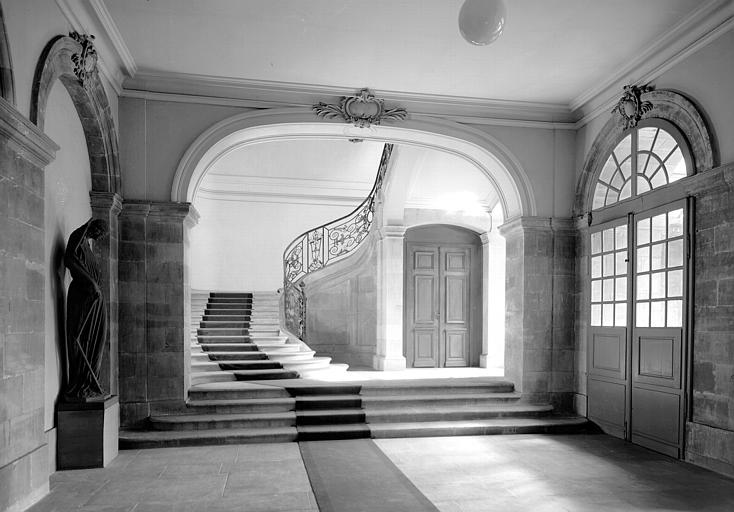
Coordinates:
(324, 245)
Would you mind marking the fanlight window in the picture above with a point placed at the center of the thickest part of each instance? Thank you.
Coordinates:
(647, 158)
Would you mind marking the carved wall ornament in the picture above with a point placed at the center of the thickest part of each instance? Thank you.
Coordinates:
(85, 62)
(630, 106)
(362, 110)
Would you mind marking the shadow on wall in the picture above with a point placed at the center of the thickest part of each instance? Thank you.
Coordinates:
(57, 273)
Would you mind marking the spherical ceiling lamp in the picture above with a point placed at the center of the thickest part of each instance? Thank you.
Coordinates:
(481, 22)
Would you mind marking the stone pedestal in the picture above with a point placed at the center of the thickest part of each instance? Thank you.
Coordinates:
(87, 433)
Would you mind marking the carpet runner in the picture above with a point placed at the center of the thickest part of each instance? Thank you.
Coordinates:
(356, 476)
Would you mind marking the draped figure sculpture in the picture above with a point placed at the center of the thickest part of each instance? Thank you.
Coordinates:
(86, 315)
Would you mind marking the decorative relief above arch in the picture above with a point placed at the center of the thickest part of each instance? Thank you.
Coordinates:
(362, 110)
(659, 104)
(73, 60)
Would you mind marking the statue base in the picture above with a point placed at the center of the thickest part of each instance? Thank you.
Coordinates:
(87, 433)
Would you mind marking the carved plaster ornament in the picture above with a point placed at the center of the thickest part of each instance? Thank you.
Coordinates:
(631, 107)
(362, 110)
(85, 62)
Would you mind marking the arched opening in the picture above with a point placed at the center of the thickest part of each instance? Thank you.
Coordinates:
(505, 193)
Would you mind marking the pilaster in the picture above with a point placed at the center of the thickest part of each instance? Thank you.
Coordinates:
(389, 353)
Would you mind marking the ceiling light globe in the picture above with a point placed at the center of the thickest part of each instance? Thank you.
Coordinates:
(482, 21)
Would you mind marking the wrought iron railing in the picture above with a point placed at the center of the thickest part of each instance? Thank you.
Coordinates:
(324, 245)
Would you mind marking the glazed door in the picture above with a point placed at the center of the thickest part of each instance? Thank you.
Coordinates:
(636, 350)
(438, 306)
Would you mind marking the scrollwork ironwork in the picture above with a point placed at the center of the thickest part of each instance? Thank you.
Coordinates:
(326, 244)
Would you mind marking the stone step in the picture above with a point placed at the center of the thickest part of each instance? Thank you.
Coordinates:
(218, 331)
(545, 425)
(314, 363)
(333, 432)
(250, 365)
(233, 338)
(320, 402)
(330, 417)
(211, 377)
(228, 347)
(456, 413)
(399, 401)
(229, 356)
(223, 421)
(436, 387)
(239, 406)
(250, 375)
(235, 391)
(130, 440)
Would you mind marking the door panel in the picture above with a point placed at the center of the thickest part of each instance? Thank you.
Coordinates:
(422, 306)
(607, 379)
(425, 348)
(608, 406)
(454, 324)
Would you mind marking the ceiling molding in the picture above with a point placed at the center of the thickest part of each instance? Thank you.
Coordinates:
(277, 198)
(704, 25)
(113, 33)
(184, 87)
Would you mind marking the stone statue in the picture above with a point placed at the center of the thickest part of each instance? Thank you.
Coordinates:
(86, 315)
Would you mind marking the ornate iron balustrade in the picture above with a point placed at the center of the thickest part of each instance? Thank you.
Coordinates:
(324, 245)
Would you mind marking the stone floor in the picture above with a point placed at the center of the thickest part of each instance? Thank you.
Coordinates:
(505, 473)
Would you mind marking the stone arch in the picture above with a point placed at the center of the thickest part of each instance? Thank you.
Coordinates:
(488, 154)
(667, 105)
(91, 103)
(7, 85)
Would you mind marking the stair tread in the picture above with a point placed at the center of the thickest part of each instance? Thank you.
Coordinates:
(241, 401)
(368, 399)
(520, 422)
(336, 427)
(187, 418)
(203, 433)
(330, 412)
(412, 409)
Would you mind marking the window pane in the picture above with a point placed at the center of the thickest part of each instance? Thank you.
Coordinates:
(608, 315)
(659, 223)
(675, 283)
(664, 144)
(620, 288)
(657, 285)
(643, 232)
(620, 314)
(626, 190)
(609, 167)
(609, 264)
(657, 260)
(676, 166)
(657, 314)
(675, 223)
(620, 237)
(595, 243)
(596, 290)
(596, 266)
(624, 148)
(643, 314)
(618, 180)
(675, 313)
(659, 178)
(644, 162)
(608, 294)
(645, 138)
(612, 196)
(643, 259)
(608, 238)
(596, 315)
(621, 257)
(600, 194)
(642, 185)
(675, 253)
(643, 287)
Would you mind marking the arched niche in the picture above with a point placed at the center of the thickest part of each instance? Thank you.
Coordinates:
(488, 154)
(7, 85)
(91, 103)
(667, 105)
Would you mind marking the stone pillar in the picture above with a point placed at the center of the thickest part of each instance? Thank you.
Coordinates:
(539, 288)
(155, 308)
(107, 206)
(493, 300)
(390, 354)
(24, 459)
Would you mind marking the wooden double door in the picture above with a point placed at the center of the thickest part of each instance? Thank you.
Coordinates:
(637, 351)
(442, 285)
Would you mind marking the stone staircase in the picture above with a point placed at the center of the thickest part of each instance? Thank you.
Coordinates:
(237, 336)
(300, 409)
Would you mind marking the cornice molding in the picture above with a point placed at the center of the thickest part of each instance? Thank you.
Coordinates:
(248, 196)
(113, 33)
(33, 144)
(184, 87)
(707, 23)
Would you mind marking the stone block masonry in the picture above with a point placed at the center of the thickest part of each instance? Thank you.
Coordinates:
(154, 308)
(24, 152)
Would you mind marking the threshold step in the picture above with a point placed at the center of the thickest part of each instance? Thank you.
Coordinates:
(378, 402)
(223, 421)
(132, 439)
(330, 417)
(241, 405)
(332, 432)
(321, 402)
(264, 374)
(445, 413)
(500, 426)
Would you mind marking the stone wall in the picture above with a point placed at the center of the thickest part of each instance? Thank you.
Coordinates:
(710, 435)
(24, 152)
(154, 309)
(540, 299)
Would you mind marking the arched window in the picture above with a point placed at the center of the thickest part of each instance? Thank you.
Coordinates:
(649, 156)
